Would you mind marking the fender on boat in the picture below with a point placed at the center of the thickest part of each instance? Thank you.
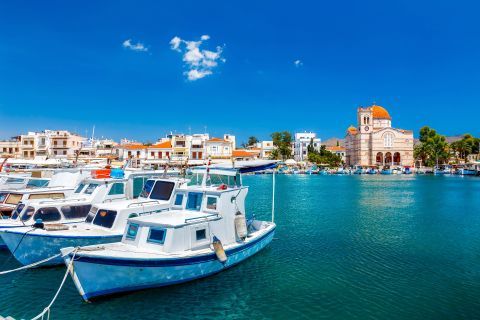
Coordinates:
(218, 248)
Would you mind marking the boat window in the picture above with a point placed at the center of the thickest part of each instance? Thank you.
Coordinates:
(14, 198)
(80, 188)
(117, 188)
(3, 196)
(201, 234)
(37, 183)
(162, 190)
(75, 212)
(46, 195)
(15, 180)
(194, 201)
(132, 231)
(147, 188)
(179, 199)
(47, 214)
(138, 184)
(17, 210)
(91, 215)
(212, 203)
(105, 218)
(91, 187)
(28, 213)
(157, 235)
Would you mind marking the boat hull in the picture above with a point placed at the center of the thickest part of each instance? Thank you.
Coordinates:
(95, 277)
(30, 248)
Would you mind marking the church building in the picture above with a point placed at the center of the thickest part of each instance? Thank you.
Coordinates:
(373, 142)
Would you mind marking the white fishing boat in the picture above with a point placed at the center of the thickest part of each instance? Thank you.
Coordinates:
(21, 181)
(205, 232)
(104, 223)
(61, 185)
(123, 185)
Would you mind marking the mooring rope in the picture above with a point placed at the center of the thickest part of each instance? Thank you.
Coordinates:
(35, 263)
(47, 308)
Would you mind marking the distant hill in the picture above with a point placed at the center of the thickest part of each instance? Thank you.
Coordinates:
(333, 142)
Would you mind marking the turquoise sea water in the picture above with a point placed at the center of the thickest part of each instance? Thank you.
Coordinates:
(346, 247)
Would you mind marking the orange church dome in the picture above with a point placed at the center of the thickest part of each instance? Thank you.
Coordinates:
(352, 130)
(380, 113)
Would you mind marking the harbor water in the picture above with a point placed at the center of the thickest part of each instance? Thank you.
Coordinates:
(346, 247)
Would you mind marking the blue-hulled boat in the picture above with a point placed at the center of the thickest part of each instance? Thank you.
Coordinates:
(104, 223)
(386, 170)
(204, 233)
(442, 170)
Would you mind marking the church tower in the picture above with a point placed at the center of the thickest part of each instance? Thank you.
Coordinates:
(365, 119)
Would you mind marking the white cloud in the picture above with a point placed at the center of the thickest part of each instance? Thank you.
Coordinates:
(195, 74)
(198, 62)
(298, 63)
(134, 46)
(175, 43)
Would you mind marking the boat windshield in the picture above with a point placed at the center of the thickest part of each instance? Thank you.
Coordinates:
(14, 198)
(15, 180)
(91, 215)
(3, 196)
(105, 218)
(17, 211)
(80, 188)
(37, 183)
(147, 188)
(91, 187)
(27, 214)
(162, 190)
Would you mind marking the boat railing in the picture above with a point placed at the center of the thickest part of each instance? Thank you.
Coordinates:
(62, 200)
(201, 218)
(142, 203)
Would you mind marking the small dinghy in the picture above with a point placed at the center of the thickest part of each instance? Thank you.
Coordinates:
(204, 233)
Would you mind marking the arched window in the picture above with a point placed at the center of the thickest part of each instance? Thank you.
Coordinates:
(396, 158)
(388, 140)
(379, 158)
(388, 158)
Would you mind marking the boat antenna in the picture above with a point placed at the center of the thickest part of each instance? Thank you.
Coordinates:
(206, 175)
(166, 167)
(273, 193)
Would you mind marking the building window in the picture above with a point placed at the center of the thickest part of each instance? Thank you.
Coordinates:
(388, 140)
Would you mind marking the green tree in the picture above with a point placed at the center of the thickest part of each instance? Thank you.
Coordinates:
(433, 147)
(323, 156)
(282, 141)
(252, 141)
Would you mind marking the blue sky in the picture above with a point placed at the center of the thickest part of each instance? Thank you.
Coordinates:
(63, 64)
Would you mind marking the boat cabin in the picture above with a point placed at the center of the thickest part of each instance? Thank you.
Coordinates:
(198, 213)
(14, 182)
(60, 210)
(60, 186)
(157, 196)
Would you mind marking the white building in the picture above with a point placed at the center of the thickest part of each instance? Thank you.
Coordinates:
(301, 143)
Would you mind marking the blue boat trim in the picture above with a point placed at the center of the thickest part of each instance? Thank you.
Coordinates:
(166, 262)
(94, 294)
(60, 236)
